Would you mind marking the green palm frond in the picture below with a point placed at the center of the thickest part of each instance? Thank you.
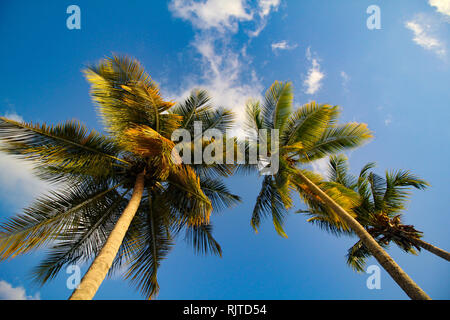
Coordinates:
(377, 190)
(68, 147)
(126, 96)
(336, 139)
(277, 105)
(357, 256)
(83, 241)
(324, 223)
(253, 119)
(49, 217)
(308, 123)
(397, 185)
(193, 108)
(149, 247)
(186, 197)
(219, 195)
(269, 203)
(338, 171)
(201, 239)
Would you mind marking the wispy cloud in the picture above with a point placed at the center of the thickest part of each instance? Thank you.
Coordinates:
(223, 16)
(442, 6)
(226, 72)
(425, 33)
(321, 166)
(283, 45)
(313, 81)
(8, 292)
(345, 79)
(223, 78)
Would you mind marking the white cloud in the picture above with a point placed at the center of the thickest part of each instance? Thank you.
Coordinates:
(13, 116)
(8, 292)
(266, 6)
(425, 34)
(226, 71)
(312, 83)
(208, 14)
(283, 45)
(18, 185)
(321, 166)
(223, 79)
(224, 16)
(442, 6)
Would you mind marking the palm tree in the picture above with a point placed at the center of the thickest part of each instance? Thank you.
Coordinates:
(91, 214)
(380, 210)
(307, 134)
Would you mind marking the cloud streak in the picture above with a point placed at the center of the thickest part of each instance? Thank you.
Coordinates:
(226, 72)
(8, 292)
(313, 81)
(425, 35)
(283, 45)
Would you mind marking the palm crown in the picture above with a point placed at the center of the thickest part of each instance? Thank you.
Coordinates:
(306, 134)
(382, 204)
(94, 174)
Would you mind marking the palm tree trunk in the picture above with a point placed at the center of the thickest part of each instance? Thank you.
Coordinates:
(394, 270)
(102, 263)
(433, 249)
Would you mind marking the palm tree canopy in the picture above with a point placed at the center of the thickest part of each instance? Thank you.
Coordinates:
(94, 173)
(380, 209)
(308, 133)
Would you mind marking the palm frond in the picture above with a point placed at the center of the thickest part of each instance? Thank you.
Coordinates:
(201, 239)
(68, 147)
(337, 139)
(126, 96)
(193, 107)
(84, 240)
(398, 183)
(308, 123)
(219, 195)
(186, 197)
(277, 105)
(269, 202)
(49, 217)
(338, 171)
(149, 247)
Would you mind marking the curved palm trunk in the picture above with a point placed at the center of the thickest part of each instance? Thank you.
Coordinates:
(394, 270)
(433, 249)
(102, 263)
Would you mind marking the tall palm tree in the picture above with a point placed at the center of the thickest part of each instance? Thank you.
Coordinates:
(383, 201)
(91, 215)
(307, 134)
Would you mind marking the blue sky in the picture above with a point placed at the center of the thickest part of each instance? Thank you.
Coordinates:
(396, 79)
